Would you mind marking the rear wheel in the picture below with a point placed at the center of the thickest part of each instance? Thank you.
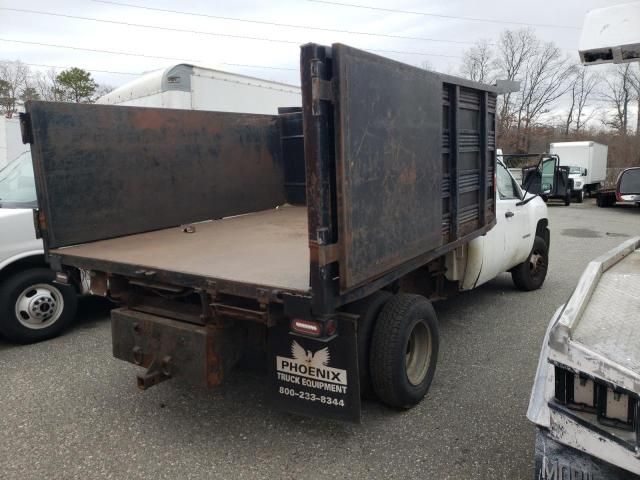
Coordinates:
(368, 310)
(531, 273)
(404, 350)
(33, 308)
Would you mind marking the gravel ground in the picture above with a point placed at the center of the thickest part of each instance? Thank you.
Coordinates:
(69, 410)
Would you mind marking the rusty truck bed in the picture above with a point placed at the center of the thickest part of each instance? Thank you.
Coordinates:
(267, 248)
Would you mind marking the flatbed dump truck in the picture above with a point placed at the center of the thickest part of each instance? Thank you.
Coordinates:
(319, 235)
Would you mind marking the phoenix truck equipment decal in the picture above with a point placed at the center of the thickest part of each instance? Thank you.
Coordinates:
(310, 369)
(317, 377)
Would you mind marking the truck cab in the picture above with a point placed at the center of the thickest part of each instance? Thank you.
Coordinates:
(579, 177)
(32, 306)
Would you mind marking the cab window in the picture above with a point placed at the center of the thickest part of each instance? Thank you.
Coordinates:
(507, 188)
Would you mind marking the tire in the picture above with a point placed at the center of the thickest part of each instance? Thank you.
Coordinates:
(528, 276)
(580, 196)
(605, 200)
(404, 350)
(368, 309)
(567, 198)
(33, 308)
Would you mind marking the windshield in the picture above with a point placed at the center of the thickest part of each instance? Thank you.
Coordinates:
(17, 184)
(577, 170)
(630, 182)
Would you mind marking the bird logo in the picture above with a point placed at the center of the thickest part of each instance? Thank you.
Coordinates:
(319, 359)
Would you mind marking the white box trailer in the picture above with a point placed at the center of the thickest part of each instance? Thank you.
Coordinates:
(190, 87)
(587, 162)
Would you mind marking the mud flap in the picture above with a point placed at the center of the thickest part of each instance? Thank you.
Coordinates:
(554, 461)
(315, 377)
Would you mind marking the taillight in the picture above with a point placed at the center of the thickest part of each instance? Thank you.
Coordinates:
(306, 327)
(314, 328)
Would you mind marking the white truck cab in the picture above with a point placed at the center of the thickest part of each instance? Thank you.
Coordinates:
(32, 306)
(518, 243)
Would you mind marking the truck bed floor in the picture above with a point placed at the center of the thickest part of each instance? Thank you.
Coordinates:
(267, 248)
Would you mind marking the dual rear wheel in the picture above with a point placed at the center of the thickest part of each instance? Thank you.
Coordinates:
(398, 344)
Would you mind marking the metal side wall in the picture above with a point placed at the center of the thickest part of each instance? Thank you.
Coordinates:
(107, 171)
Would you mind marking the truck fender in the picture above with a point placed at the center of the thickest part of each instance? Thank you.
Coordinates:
(542, 231)
(21, 256)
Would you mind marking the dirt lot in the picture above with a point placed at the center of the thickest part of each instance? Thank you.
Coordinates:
(69, 410)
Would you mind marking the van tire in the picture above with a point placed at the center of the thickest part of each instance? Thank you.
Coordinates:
(368, 310)
(527, 276)
(406, 326)
(30, 296)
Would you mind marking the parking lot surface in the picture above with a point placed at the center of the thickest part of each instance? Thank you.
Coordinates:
(70, 410)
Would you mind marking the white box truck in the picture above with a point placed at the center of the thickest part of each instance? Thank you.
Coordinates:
(190, 87)
(587, 162)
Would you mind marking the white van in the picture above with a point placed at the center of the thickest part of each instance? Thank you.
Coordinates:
(32, 306)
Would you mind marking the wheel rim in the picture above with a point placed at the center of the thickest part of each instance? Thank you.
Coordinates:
(39, 306)
(418, 353)
(537, 263)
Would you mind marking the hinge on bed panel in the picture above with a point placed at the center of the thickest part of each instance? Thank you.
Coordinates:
(327, 254)
(320, 89)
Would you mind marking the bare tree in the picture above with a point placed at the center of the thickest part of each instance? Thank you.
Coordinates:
(13, 80)
(46, 84)
(543, 80)
(634, 76)
(512, 52)
(478, 63)
(583, 85)
(619, 91)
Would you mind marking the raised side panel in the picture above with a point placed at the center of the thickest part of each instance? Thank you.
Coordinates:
(106, 171)
(389, 168)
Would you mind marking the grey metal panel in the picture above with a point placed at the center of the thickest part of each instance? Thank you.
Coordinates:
(177, 78)
(389, 166)
(106, 171)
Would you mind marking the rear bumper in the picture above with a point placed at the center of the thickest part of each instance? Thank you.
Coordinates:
(555, 461)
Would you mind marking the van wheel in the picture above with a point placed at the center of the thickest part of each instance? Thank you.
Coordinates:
(367, 309)
(530, 274)
(33, 308)
(404, 350)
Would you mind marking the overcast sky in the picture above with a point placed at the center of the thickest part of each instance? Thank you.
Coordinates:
(278, 47)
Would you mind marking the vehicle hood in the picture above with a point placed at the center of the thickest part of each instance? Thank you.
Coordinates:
(9, 214)
(18, 233)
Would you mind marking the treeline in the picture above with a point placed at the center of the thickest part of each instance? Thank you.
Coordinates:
(19, 83)
(559, 99)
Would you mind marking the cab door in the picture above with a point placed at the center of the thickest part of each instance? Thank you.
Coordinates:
(503, 244)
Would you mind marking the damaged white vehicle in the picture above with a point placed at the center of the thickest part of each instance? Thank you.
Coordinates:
(586, 396)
